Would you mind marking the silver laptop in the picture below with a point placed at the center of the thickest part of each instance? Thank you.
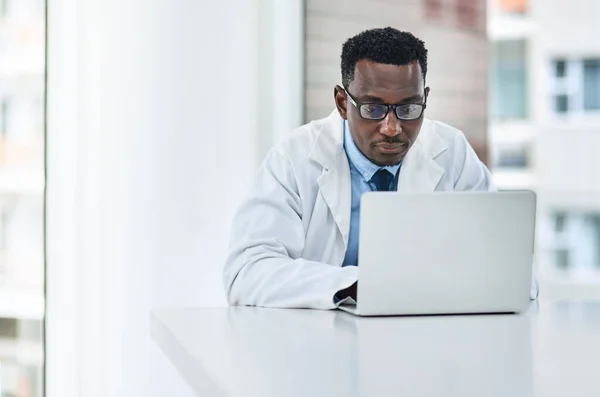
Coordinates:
(444, 253)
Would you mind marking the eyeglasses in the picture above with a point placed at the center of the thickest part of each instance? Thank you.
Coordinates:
(379, 111)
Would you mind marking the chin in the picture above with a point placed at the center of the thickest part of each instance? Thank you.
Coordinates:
(383, 160)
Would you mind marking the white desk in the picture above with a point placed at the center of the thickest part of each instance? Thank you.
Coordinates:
(553, 350)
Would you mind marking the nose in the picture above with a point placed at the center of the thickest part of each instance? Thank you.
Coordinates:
(391, 125)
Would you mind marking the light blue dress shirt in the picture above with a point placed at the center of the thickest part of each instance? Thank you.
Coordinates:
(361, 172)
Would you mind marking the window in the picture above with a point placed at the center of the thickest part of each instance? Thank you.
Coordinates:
(591, 84)
(509, 80)
(594, 221)
(434, 9)
(4, 118)
(561, 103)
(560, 68)
(574, 241)
(513, 6)
(468, 13)
(464, 14)
(559, 222)
(561, 259)
(4, 8)
(4, 219)
(512, 157)
(576, 86)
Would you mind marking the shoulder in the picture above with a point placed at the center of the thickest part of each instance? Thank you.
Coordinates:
(443, 133)
(455, 154)
(439, 140)
(292, 162)
(444, 141)
(300, 140)
(298, 144)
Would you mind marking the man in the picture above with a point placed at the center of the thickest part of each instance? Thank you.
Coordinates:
(295, 238)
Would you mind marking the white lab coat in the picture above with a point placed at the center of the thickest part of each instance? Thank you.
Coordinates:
(289, 236)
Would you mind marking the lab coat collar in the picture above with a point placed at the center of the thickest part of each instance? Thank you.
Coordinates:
(419, 173)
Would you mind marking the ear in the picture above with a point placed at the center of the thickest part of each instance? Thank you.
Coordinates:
(427, 89)
(341, 102)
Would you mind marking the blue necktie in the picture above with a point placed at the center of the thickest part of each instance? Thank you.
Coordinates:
(382, 180)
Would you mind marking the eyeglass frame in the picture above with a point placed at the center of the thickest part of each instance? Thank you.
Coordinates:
(358, 105)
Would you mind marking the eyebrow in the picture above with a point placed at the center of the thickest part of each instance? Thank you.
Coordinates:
(369, 98)
(375, 99)
(413, 98)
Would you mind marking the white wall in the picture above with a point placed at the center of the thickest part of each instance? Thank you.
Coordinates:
(578, 30)
(567, 159)
(161, 108)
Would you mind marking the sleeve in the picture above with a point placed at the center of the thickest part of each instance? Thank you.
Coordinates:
(264, 266)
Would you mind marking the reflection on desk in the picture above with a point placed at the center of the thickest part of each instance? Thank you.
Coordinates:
(552, 350)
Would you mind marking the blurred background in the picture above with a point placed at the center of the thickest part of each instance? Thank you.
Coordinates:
(147, 99)
(22, 69)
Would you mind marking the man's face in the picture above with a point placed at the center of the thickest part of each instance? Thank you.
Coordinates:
(384, 142)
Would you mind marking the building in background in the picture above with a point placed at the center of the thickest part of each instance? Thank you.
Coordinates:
(22, 68)
(545, 129)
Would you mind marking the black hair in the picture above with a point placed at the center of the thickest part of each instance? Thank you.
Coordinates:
(387, 45)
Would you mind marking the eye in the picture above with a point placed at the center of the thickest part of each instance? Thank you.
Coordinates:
(373, 111)
(409, 111)
(404, 110)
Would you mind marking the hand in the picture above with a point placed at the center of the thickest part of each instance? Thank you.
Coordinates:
(348, 292)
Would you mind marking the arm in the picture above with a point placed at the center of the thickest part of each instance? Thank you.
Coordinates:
(474, 175)
(264, 266)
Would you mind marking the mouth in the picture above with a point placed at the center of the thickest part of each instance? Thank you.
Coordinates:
(392, 148)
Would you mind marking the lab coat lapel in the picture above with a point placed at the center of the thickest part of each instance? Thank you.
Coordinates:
(420, 172)
(334, 183)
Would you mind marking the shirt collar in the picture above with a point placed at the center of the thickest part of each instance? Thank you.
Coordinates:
(366, 168)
